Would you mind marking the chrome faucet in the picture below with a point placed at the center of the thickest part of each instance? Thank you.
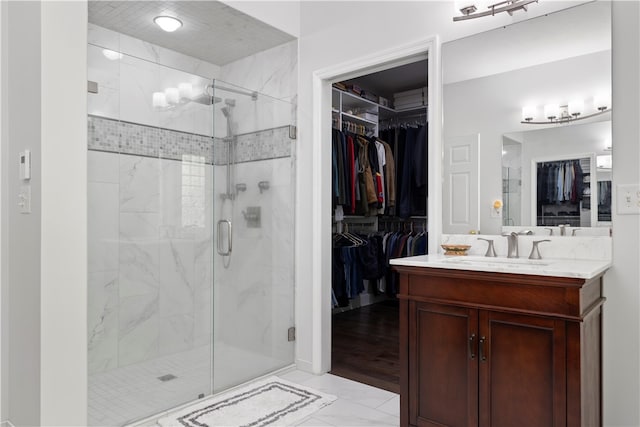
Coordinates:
(491, 252)
(535, 252)
(573, 232)
(512, 242)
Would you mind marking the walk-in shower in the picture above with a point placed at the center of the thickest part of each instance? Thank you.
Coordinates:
(172, 194)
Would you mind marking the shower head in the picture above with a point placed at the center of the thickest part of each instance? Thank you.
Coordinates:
(206, 99)
(225, 111)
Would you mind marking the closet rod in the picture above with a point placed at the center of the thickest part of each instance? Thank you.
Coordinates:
(409, 116)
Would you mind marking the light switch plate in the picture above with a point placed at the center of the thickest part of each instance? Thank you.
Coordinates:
(628, 199)
(24, 199)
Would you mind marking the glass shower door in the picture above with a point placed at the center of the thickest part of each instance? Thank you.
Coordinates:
(253, 235)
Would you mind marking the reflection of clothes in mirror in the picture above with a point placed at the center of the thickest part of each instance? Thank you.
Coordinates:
(559, 182)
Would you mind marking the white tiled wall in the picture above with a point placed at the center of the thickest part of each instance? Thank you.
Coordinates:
(126, 85)
(147, 266)
(253, 303)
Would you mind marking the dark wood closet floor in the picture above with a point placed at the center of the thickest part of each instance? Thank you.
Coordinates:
(365, 345)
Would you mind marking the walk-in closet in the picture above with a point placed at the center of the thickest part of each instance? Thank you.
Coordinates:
(379, 212)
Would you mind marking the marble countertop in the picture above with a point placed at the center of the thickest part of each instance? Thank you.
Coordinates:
(584, 269)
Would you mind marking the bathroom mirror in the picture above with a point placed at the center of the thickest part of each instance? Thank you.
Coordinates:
(488, 79)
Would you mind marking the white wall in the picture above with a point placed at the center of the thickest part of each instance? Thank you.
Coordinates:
(4, 163)
(621, 369)
(44, 260)
(63, 274)
(21, 121)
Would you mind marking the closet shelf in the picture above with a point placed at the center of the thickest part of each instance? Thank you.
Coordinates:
(351, 117)
(351, 100)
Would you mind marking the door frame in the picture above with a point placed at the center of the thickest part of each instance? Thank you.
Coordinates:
(321, 196)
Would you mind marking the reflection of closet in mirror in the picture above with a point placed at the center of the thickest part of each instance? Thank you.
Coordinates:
(603, 176)
(564, 194)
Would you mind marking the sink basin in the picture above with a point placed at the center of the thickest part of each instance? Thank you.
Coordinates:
(497, 262)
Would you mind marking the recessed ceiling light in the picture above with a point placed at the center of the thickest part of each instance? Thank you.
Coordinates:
(168, 23)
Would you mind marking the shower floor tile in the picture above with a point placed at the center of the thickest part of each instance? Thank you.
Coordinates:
(131, 392)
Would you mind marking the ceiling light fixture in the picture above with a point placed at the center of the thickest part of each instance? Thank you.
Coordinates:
(112, 55)
(168, 23)
(509, 6)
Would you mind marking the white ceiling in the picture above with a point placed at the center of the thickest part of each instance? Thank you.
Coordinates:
(577, 31)
(211, 31)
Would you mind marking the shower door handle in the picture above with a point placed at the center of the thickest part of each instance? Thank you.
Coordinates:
(221, 250)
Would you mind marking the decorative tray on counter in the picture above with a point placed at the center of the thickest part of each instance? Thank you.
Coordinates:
(455, 249)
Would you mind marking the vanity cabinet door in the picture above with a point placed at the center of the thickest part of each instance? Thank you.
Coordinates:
(522, 370)
(443, 385)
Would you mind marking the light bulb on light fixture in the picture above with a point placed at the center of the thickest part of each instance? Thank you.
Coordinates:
(159, 100)
(185, 90)
(551, 111)
(168, 23)
(602, 101)
(528, 113)
(576, 107)
(173, 95)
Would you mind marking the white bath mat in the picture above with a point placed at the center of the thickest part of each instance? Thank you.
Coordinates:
(269, 402)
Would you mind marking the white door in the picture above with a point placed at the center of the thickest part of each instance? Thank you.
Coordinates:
(461, 209)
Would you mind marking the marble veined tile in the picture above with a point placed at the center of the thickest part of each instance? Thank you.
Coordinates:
(139, 79)
(102, 318)
(102, 227)
(177, 290)
(391, 407)
(138, 329)
(355, 414)
(105, 103)
(139, 268)
(103, 37)
(353, 391)
(176, 333)
(139, 184)
(103, 167)
(103, 67)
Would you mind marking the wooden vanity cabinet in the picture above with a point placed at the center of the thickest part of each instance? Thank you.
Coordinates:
(499, 350)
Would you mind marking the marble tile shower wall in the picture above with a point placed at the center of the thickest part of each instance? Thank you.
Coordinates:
(150, 249)
(150, 237)
(253, 304)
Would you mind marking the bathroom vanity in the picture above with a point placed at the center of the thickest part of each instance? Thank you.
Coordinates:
(499, 342)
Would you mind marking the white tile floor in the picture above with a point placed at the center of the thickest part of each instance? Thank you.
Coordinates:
(356, 404)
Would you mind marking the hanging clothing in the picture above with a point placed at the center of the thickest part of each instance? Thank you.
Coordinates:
(390, 179)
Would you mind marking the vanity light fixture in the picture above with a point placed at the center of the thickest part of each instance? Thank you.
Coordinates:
(167, 23)
(574, 110)
(471, 11)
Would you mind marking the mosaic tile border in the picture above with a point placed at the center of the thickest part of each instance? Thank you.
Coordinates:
(263, 145)
(130, 138)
